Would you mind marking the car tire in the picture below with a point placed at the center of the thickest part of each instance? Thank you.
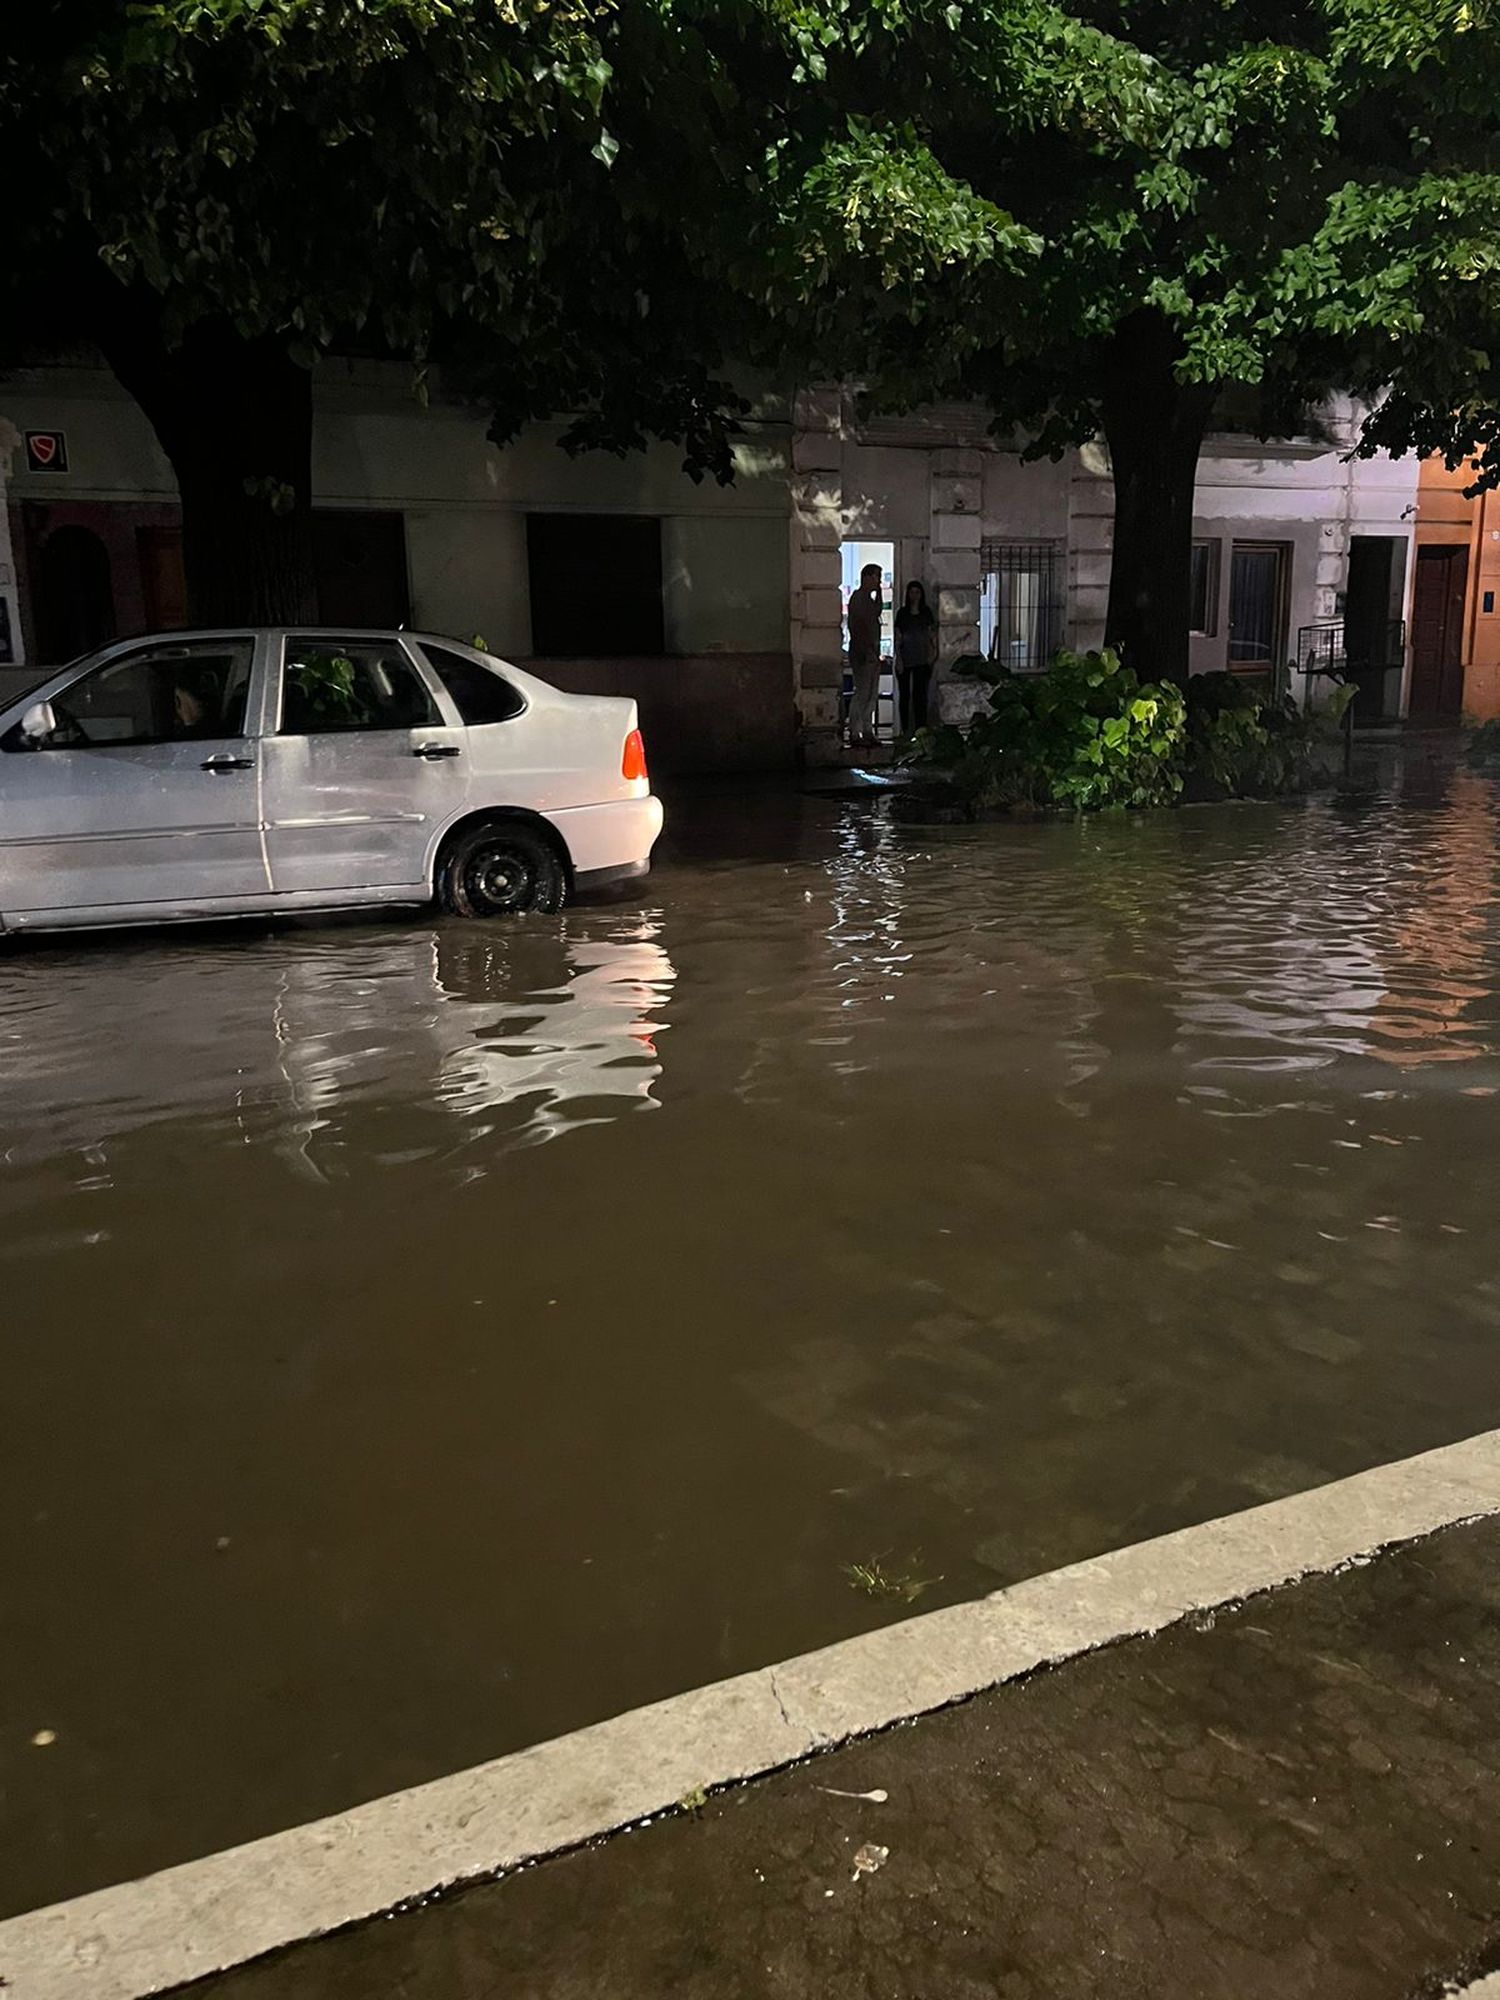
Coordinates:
(501, 870)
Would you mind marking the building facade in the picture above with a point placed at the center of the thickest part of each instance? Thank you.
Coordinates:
(719, 608)
(1455, 623)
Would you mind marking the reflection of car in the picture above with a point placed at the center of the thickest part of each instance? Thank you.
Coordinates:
(482, 1038)
(213, 774)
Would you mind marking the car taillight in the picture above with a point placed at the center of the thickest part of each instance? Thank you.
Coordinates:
(633, 762)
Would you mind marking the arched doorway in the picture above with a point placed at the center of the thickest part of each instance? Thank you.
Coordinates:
(75, 601)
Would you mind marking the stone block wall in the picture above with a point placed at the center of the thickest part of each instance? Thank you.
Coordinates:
(817, 612)
(953, 562)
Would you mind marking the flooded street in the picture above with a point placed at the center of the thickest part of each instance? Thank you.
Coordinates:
(424, 1338)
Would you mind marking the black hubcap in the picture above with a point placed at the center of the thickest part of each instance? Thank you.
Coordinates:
(499, 879)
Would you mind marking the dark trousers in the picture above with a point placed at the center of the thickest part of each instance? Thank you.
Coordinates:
(912, 684)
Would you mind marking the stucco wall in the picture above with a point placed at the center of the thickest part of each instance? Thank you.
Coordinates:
(724, 549)
(725, 579)
(1312, 501)
(1316, 503)
(1024, 502)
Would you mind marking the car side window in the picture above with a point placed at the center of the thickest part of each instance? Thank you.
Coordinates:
(479, 694)
(161, 694)
(328, 686)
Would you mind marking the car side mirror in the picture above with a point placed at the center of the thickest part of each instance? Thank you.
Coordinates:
(39, 722)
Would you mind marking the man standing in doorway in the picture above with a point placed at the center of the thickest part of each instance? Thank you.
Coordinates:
(865, 606)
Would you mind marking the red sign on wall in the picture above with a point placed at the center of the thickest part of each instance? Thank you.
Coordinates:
(46, 451)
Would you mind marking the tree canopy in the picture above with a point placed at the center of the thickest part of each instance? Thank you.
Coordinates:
(587, 209)
(216, 191)
(1097, 217)
(1269, 198)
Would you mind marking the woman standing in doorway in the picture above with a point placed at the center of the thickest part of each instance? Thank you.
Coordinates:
(916, 650)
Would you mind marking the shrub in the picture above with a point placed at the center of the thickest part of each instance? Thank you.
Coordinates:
(1084, 735)
(1240, 746)
(1087, 734)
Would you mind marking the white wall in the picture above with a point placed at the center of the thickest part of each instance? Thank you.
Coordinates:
(724, 549)
(112, 450)
(726, 581)
(1315, 502)
(1024, 503)
(467, 567)
(885, 492)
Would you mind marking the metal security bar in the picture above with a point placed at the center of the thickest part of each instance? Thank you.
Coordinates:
(1021, 603)
(1327, 648)
(1320, 649)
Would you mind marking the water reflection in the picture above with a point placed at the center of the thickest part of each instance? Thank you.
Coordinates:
(1007, 1194)
(487, 1037)
(581, 1052)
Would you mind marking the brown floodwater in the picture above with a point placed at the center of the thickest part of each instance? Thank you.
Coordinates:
(421, 1339)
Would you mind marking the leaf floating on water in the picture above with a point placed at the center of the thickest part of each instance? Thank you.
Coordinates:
(876, 1579)
(875, 1798)
(43, 1737)
(869, 1858)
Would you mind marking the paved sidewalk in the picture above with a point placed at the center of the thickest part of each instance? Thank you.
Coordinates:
(1295, 1801)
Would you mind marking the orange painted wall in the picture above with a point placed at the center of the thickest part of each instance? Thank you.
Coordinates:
(1482, 630)
(1446, 515)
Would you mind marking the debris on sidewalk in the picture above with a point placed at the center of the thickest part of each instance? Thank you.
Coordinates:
(869, 1858)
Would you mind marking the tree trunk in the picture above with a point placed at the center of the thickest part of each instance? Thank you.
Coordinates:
(1154, 426)
(234, 417)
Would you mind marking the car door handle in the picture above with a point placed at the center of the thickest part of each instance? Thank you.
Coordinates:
(432, 751)
(229, 764)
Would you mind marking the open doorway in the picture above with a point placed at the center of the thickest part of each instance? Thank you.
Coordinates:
(853, 558)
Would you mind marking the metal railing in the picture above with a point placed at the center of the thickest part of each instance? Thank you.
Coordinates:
(1323, 652)
(1324, 649)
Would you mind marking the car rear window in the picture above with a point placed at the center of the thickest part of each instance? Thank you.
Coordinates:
(479, 693)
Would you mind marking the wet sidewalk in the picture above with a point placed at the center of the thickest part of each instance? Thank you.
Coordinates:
(1294, 1800)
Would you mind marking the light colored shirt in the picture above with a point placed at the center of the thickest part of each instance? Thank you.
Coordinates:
(864, 624)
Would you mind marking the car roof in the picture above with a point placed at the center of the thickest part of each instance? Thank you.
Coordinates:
(299, 631)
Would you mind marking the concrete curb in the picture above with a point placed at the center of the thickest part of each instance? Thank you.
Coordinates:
(146, 1937)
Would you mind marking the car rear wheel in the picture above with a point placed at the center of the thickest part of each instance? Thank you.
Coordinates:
(501, 870)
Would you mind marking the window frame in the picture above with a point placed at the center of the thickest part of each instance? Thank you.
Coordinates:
(999, 558)
(56, 690)
(424, 644)
(1209, 629)
(445, 715)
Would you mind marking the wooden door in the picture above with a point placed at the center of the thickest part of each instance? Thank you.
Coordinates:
(163, 585)
(1437, 631)
(75, 599)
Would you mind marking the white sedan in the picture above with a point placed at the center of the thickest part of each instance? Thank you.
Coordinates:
(234, 773)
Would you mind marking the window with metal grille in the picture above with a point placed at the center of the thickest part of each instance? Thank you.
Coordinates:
(1021, 603)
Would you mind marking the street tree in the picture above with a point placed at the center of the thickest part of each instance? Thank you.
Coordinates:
(214, 193)
(1282, 198)
(578, 208)
(595, 210)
